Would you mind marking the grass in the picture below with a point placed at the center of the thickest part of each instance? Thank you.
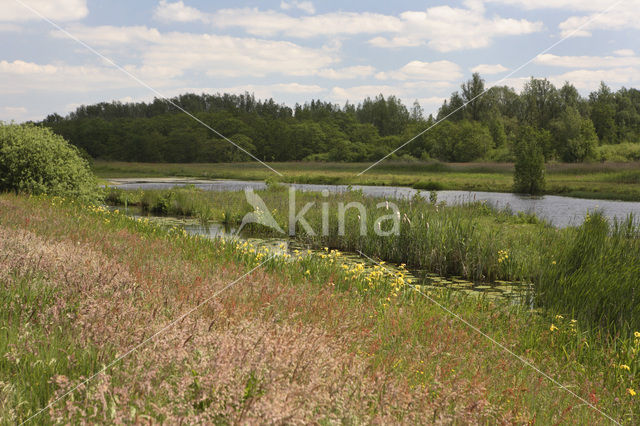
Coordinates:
(304, 338)
(595, 284)
(590, 180)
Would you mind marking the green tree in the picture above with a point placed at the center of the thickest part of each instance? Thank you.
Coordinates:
(472, 92)
(540, 103)
(603, 113)
(574, 136)
(34, 160)
(462, 141)
(529, 172)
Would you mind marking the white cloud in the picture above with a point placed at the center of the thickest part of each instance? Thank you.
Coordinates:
(624, 15)
(216, 55)
(57, 10)
(305, 6)
(443, 28)
(14, 113)
(590, 79)
(270, 23)
(587, 61)
(359, 71)
(418, 70)
(392, 42)
(24, 77)
(489, 69)
(109, 36)
(232, 56)
(446, 28)
(624, 52)
(575, 5)
(178, 12)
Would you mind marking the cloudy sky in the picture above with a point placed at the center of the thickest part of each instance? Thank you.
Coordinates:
(295, 50)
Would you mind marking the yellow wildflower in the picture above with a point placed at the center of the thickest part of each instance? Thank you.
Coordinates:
(637, 334)
(625, 367)
(553, 328)
(631, 392)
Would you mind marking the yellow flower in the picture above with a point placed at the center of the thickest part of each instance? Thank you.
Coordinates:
(307, 272)
(637, 334)
(553, 328)
(559, 317)
(631, 392)
(553, 263)
(625, 367)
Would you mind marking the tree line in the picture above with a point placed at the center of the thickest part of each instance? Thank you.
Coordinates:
(566, 126)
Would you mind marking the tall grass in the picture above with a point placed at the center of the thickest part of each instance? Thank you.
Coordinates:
(595, 276)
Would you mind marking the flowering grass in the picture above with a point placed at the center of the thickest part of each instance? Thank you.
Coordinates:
(306, 338)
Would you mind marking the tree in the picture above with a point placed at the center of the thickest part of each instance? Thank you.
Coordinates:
(472, 92)
(541, 103)
(529, 172)
(603, 113)
(417, 112)
(574, 136)
(34, 160)
(463, 141)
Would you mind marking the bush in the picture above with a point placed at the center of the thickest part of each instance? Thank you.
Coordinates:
(620, 152)
(34, 160)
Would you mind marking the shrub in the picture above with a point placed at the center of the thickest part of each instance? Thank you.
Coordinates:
(529, 167)
(34, 160)
(620, 152)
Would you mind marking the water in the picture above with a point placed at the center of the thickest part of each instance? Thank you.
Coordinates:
(560, 211)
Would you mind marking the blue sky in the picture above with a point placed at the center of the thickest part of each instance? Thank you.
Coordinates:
(296, 50)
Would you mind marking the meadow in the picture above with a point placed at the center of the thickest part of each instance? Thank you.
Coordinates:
(304, 337)
(606, 180)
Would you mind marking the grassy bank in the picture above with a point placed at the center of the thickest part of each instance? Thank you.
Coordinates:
(594, 180)
(589, 272)
(301, 339)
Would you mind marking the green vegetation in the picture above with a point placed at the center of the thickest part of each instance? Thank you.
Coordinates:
(304, 338)
(487, 128)
(591, 282)
(36, 161)
(588, 180)
(528, 176)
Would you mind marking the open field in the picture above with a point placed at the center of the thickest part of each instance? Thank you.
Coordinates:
(301, 339)
(588, 180)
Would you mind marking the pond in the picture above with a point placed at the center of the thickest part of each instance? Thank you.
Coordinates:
(558, 210)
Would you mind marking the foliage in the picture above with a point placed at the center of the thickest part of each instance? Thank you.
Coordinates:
(529, 169)
(575, 137)
(37, 161)
(322, 131)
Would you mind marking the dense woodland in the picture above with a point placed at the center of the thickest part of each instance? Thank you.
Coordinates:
(567, 127)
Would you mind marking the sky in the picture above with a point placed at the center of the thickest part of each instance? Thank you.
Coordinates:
(298, 50)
